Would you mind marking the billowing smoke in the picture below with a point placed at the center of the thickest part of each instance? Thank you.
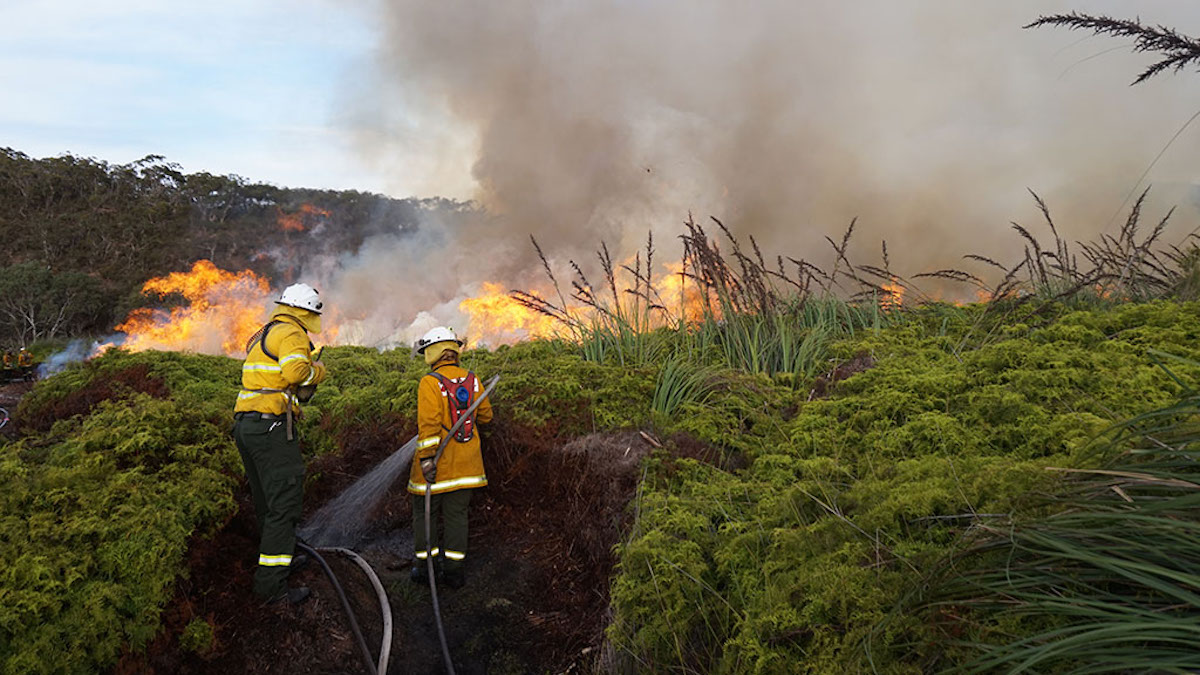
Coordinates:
(579, 121)
(396, 286)
(928, 119)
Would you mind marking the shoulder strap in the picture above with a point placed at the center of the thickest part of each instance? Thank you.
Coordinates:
(261, 337)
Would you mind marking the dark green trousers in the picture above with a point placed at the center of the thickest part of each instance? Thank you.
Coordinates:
(275, 471)
(453, 508)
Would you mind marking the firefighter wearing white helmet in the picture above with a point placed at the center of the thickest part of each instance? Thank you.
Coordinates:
(280, 367)
(442, 396)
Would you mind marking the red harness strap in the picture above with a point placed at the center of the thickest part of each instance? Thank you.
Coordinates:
(460, 393)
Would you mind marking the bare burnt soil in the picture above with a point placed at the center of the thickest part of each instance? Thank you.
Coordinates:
(538, 568)
(10, 397)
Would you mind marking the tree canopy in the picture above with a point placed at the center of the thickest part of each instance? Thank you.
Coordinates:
(80, 235)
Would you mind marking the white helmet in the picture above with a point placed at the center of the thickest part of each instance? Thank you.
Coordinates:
(302, 296)
(436, 335)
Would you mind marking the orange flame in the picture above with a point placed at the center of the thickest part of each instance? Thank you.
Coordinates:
(223, 311)
(298, 221)
(893, 297)
(682, 297)
(496, 318)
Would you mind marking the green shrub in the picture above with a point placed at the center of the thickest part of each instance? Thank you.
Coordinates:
(197, 637)
(790, 565)
(95, 529)
(1105, 582)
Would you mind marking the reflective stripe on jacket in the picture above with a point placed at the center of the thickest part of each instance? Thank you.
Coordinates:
(268, 384)
(461, 465)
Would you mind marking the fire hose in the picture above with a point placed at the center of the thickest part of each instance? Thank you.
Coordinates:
(385, 646)
(385, 607)
(437, 608)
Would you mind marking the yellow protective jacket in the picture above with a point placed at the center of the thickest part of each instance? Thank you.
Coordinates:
(24, 358)
(269, 384)
(461, 465)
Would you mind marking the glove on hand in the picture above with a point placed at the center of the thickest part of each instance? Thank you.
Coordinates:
(429, 470)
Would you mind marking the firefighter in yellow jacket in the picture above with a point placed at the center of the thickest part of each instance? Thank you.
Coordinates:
(25, 363)
(442, 396)
(279, 373)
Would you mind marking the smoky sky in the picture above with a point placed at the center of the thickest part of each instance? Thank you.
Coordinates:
(927, 120)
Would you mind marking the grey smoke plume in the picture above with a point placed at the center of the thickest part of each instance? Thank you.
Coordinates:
(927, 119)
(75, 352)
(395, 287)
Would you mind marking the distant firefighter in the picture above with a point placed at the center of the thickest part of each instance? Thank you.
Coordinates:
(8, 359)
(280, 371)
(25, 364)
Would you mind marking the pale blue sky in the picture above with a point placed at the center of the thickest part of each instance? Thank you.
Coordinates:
(259, 88)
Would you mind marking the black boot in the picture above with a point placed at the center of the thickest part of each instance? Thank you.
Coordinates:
(454, 578)
(291, 596)
(419, 573)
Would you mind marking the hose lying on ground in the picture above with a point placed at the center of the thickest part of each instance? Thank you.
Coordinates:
(358, 636)
(385, 647)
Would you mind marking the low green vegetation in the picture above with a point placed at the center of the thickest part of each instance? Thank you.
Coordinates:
(1105, 583)
(859, 484)
(97, 511)
(128, 458)
(895, 490)
(793, 564)
(197, 636)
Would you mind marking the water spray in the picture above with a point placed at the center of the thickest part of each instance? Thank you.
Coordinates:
(340, 522)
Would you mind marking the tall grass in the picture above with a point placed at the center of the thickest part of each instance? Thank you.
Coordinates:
(733, 310)
(618, 319)
(1175, 50)
(790, 341)
(736, 310)
(1125, 267)
(1109, 583)
(681, 380)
